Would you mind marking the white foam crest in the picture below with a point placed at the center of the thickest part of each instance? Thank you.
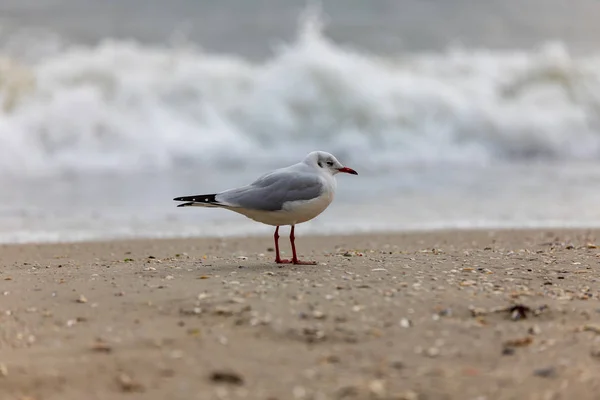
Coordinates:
(122, 106)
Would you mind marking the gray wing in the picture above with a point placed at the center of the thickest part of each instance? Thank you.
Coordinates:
(270, 192)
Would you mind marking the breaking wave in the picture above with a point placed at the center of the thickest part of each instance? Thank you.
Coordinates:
(123, 106)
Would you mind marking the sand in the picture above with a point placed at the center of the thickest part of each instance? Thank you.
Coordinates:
(445, 315)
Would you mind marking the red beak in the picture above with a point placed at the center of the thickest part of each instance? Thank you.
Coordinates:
(348, 170)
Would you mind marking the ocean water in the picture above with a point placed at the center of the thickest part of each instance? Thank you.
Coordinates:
(455, 116)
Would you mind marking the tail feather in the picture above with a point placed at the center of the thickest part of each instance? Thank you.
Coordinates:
(199, 200)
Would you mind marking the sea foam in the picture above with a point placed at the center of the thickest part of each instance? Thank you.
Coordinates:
(121, 106)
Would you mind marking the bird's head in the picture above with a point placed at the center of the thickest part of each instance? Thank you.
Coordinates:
(327, 162)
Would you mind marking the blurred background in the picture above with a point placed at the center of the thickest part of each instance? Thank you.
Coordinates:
(455, 113)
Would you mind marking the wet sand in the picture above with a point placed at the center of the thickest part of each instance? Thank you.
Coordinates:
(444, 315)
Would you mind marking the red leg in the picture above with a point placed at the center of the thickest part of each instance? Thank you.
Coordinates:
(294, 256)
(278, 259)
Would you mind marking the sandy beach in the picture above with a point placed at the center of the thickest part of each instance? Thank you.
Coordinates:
(445, 315)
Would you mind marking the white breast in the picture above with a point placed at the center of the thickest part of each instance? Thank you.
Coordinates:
(305, 210)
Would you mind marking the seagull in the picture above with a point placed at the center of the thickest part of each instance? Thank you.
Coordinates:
(286, 196)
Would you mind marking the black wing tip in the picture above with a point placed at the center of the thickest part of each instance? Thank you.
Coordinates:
(199, 198)
(185, 204)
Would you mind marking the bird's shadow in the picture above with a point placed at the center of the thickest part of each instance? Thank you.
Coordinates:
(262, 267)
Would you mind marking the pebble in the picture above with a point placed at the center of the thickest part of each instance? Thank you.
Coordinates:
(331, 359)
(82, 299)
(534, 330)
(592, 328)
(508, 351)
(223, 340)
(128, 384)
(405, 323)
(548, 372)
(220, 310)
(193, 311)
(519, 342)
(3, 370)
(433, 352)
(229, 377)
(101, 347)
(377, 388)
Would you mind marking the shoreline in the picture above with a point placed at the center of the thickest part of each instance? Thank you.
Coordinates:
(427, 315)
(424, 231)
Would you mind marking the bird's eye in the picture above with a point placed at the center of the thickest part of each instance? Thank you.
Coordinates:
(330, 163)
